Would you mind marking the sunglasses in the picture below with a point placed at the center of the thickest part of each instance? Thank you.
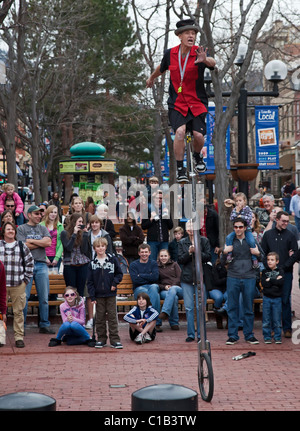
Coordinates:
(10, 206)
(239, 227)
(69, 294)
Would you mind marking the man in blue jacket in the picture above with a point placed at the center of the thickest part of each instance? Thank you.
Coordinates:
(144, 275)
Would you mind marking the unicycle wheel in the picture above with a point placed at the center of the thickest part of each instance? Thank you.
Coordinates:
(205, 377)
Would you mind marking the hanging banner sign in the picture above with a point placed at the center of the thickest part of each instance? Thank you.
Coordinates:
(208, 149)
(267, 137)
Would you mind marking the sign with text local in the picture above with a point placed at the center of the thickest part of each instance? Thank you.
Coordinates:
(267, 137)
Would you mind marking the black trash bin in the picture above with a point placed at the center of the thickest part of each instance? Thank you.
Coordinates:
(27, 401)
(164, 397)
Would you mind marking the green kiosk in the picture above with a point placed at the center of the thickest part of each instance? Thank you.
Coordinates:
(89, 168)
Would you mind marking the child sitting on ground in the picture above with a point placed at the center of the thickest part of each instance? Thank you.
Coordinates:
(72, 311)
(243, 211)
(142, 320)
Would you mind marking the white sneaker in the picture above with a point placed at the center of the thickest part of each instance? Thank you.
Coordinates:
(89, 324)
(147, 337)
(139, 339)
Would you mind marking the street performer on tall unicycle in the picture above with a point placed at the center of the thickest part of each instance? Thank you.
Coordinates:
(187, 100)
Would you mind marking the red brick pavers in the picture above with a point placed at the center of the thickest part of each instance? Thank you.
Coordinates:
(86, 379)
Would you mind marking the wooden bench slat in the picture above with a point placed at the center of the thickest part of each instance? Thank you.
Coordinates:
(57, 286)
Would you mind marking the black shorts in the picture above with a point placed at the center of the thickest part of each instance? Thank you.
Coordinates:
(198, 124)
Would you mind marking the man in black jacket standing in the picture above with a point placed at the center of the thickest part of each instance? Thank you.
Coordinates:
(186, 259)
(158, 224)
(241, 278)
(284, 243)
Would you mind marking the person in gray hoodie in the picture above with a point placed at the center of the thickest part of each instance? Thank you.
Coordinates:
(241, 278)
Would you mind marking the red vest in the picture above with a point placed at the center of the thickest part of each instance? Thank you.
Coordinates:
(193, 95)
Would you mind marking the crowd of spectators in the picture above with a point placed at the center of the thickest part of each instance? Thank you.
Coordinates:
(256, 261)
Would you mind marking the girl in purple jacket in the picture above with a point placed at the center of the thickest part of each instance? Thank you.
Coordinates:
(73, 315)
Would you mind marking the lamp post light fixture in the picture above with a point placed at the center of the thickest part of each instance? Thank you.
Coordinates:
(275, 71)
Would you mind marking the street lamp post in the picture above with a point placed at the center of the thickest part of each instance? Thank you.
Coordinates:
(275, 71)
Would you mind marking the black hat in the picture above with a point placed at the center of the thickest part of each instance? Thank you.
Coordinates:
(186, 24)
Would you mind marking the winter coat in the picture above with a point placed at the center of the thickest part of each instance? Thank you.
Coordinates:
(135, 314)
(101, 277)
(169, 274)
(153, 228)
(18, 202)
(131, 239)
(77, 312)
(186, 260)
(273, 287)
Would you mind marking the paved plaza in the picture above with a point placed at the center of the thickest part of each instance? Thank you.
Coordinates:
(86, 379)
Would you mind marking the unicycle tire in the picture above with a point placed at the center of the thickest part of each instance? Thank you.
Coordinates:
(205, 377)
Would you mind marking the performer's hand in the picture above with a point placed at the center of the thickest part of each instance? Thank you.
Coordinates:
(201, 54)
(149, 83)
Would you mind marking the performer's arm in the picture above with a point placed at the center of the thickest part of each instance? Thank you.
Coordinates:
(153, 76)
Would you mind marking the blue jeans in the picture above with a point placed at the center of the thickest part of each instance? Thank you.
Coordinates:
(248, 237)
(156, 246)
(219, 297)
(271, 320)
(247, 287)
(76, 276)
(286, 302)
(188, 296)
(76, 334)
(41, 279)
(241, 310)
(153, 291)
(170, 305)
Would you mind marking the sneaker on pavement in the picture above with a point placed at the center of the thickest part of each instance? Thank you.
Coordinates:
(268, 341)
(231, 341)
(139, 339)
(54, 342)
(252, 340)
(278, 341)
(117, 345)
(100, 344)
(182, 176)
(147, 338)
(20, 343)
(89, 324)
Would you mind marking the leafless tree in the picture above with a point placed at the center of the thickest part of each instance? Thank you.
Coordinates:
(13, 33)
(221, 32)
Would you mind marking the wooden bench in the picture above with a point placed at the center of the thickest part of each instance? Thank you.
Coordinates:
(124, 294)
(57, 287)
(125, 288)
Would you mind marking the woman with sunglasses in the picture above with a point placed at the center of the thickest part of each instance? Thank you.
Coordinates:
(72, 311)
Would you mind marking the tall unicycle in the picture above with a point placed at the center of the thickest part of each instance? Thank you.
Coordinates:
(205, 369)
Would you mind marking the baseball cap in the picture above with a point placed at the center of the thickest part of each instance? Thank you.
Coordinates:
(32, 209)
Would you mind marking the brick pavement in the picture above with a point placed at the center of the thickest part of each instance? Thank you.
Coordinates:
(86, 379)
